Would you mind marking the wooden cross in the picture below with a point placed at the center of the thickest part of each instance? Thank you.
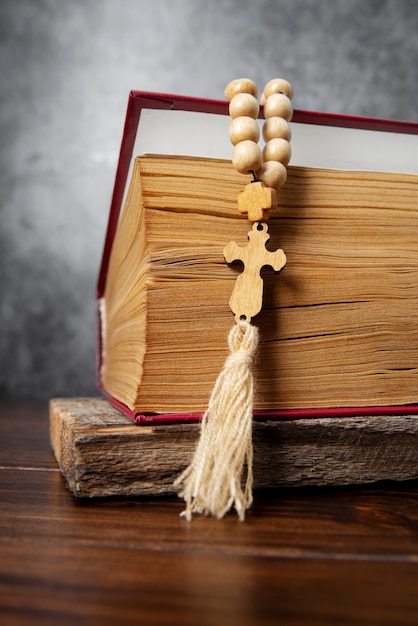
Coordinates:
(247, 297)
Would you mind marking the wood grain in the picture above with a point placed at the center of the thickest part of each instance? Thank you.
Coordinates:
(317, 556)
(374, 522)
(101, 453)
(99, 585)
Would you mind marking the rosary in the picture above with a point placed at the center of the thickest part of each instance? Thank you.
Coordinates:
(212, 483)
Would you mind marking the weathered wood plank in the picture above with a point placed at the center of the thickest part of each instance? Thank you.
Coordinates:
(101, 453)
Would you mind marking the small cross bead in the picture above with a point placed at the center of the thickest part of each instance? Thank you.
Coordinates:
(256, 200)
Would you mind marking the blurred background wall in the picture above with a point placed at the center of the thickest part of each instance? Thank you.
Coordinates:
(66, 70)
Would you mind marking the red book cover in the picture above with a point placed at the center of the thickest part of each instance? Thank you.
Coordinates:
(137, 103)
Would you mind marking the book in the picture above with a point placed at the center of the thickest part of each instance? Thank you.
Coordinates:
(338, 335)
(101, 453)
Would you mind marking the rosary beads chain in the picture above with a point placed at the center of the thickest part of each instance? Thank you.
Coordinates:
(269, 165)
(278, 112)
(212, 483)
(244, 110)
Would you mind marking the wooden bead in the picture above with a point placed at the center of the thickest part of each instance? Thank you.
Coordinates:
(277, 150)
(272, 174)
(278, 85)
(240, 85)
(244, 104)
(244, 128)
(278, 105)
(247, 156)
(276, 127)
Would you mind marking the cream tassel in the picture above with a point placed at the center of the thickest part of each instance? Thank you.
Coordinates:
(212, 482)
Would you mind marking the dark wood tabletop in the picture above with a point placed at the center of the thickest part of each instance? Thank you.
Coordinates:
(317, 556)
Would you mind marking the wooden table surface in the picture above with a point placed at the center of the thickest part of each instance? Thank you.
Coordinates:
(324, 556)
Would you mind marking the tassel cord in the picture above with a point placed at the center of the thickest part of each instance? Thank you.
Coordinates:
(212, 482)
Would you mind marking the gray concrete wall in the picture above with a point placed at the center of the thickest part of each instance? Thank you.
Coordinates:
(66, 69)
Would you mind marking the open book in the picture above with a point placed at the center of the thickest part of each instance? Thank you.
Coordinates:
(338, 325)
